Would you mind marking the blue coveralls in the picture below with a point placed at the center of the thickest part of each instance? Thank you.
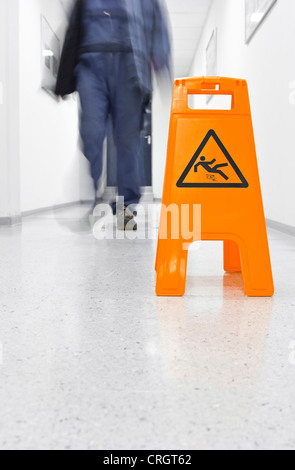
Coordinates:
(106, 85)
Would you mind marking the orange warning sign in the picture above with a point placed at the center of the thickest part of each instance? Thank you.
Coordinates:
(212, 166)
(212, 163)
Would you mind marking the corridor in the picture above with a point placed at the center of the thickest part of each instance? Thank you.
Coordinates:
(188, 104)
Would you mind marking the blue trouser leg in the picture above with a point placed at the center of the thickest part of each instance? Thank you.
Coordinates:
(103, 85)
(93, 92)
(127, 109)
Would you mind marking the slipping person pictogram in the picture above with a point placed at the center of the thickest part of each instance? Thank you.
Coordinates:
(204, 171)
(215, 169)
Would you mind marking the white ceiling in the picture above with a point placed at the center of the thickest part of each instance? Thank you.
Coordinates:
(187, 18)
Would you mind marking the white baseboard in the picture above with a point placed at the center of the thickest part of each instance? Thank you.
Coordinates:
(10, 221)
(49, 209)
(288, 229)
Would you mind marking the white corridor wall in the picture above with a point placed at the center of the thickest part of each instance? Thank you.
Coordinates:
(49, 158)
(268, 63)
(9, 112)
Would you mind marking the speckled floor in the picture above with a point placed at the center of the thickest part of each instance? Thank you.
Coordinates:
(91, 359)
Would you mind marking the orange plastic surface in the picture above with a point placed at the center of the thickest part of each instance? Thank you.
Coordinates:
(211, 161)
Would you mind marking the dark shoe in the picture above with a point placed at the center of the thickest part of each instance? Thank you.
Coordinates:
(125, 219)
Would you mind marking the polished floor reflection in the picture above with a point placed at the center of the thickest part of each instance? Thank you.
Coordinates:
(90, 358)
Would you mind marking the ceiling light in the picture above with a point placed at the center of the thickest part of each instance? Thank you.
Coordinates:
(257, 17)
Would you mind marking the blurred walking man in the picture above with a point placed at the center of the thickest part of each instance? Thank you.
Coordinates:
(108, 55)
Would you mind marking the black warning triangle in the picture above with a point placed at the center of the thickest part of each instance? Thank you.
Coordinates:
(212, 167)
